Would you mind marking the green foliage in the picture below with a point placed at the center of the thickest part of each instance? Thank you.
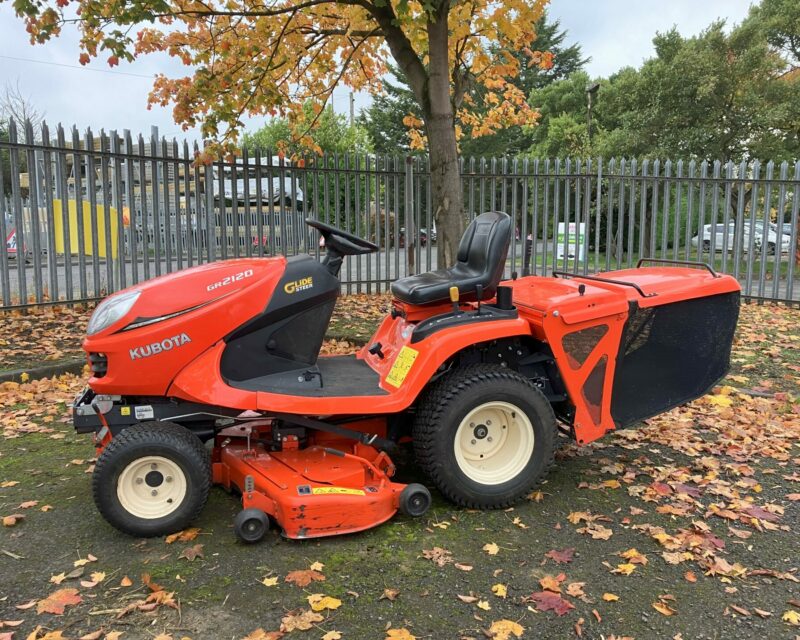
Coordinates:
(717, 95)
(332, 134)
(383, 120)
(779, 21)
(567, 60)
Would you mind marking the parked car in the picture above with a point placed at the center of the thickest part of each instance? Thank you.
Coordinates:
(757, 232)
(423, 237)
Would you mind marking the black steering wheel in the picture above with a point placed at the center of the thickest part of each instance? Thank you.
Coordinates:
(341, 241)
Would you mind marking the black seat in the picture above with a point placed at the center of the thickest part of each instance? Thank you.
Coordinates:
(480, 261)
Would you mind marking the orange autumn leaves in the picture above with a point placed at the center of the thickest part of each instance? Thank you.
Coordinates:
(297, 53)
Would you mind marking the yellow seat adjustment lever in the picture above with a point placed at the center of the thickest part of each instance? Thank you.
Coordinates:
(454, 298)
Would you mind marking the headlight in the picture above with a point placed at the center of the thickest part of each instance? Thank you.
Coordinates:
(110, 310)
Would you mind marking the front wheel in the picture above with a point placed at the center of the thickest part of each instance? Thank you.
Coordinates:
(485, 436)
(152, 479)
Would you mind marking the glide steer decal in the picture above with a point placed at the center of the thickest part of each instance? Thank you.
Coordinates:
(298, 285)
(154, 348)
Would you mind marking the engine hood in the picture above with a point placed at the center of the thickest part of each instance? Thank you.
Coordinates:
(178, 316)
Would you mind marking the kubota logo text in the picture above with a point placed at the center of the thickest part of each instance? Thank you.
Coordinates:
(299, 285)
(154, 348)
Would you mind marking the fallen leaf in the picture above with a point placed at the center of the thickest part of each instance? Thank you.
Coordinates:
(791, 617)
(270, 582)
(126, 582)
(28, 504)
(317, 566)
(504, 629)
(13, 519)
(597, 531)
(301, 622)
(390, 594)
(438, 556)
(549, 601)
(84, 561)
(500, 590)
(610, 597)
(304, 577)
(483, 604)
(690, 576)
(320, 602)
(332, 635)
(187, 535)
(260, 634)
(663, 608)
(193, 552)
(57, 601)
(399, 634)
(625, 569)
(563, 556)
(575, 589)
(491, 548)
(552, 583)
(463, 567)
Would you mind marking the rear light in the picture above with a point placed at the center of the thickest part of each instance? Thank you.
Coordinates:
(98, 363)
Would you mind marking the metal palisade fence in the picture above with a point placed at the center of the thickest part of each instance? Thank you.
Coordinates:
(84, 215)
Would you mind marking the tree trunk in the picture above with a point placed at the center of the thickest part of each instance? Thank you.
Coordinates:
(446, 190)
(431, 88)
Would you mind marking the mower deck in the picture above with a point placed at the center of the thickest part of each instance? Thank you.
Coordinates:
(311, 492)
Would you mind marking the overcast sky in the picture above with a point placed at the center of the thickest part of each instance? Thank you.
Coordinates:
(615, 33)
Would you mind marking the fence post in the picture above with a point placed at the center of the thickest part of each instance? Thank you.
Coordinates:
(408, 211)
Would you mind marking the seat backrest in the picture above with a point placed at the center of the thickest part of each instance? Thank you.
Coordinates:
(484, 246)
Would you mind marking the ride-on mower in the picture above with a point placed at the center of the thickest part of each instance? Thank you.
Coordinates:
(213, 375)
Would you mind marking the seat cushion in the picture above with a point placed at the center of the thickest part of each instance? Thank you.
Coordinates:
(434, 286)
(481, 260)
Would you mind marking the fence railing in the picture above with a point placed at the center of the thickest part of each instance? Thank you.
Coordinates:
(85, 215)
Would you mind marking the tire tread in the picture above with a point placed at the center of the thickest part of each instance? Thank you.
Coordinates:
(166, 433)
(441, 394)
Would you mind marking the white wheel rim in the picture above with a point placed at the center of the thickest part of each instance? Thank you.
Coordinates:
(494, 443)
(151, 487)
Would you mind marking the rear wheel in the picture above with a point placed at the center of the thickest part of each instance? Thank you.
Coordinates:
(484, 435)
(152, 479)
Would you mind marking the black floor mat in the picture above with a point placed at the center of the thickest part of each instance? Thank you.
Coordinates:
(334, 376)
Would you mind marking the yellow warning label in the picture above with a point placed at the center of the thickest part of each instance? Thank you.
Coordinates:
(339, 491)
(401, 367)
(124, 411)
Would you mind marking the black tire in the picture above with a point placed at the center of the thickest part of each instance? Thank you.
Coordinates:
(251, 525)
(181, 449)
(415, 500)
(771, 249)
(447, 403)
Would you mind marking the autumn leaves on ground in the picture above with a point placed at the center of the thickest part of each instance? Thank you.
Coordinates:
(684, 527)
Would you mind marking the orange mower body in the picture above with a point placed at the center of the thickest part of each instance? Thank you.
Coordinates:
(479, 373)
